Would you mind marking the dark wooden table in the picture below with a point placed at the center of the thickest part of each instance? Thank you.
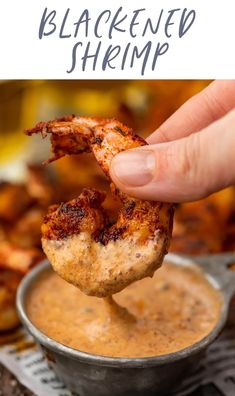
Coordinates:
(9, 386)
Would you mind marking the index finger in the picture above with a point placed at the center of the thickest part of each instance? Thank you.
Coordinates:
(198, 112)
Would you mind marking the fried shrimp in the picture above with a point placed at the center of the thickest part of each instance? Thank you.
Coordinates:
(9, 281)
(18, 259)
(83, 247)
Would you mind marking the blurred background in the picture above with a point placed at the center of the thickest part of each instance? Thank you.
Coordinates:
(27, 188)
(141, 104)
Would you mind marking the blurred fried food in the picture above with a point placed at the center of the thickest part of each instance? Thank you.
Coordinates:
(27, 229)
(9, 281)
(202, 227)
(22, 208)
(14, 200)
(17, 259)
(39, 186)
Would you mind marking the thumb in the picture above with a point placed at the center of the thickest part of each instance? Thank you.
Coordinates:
(183, 170)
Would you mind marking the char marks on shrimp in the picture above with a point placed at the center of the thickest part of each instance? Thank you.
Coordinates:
(81, 244)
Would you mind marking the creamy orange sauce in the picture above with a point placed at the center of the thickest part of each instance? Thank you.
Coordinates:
(156, 316)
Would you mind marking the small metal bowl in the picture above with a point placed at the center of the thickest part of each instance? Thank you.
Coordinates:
(90, 375)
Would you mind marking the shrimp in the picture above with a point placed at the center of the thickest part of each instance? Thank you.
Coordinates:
(9, 281)
(83, 247)
(18, 259)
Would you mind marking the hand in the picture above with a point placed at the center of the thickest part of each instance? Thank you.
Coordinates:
(190, 156)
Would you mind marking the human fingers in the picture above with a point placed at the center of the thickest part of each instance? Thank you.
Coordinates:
(186, 169)
(198, 112)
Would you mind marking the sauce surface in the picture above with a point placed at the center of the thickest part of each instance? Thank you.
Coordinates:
(156, 316)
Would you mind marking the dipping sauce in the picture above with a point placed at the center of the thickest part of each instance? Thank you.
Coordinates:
(159, 315)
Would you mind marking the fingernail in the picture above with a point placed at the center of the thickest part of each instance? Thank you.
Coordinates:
(134, 167)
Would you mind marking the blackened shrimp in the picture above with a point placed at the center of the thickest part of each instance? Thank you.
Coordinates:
(83, 248)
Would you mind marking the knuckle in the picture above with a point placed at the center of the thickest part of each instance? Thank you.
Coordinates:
(186, 153)
(214, 105)
(162, 135)
(190, 166)
(181, 162)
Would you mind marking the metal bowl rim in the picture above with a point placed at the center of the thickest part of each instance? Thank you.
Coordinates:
(101, 360)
